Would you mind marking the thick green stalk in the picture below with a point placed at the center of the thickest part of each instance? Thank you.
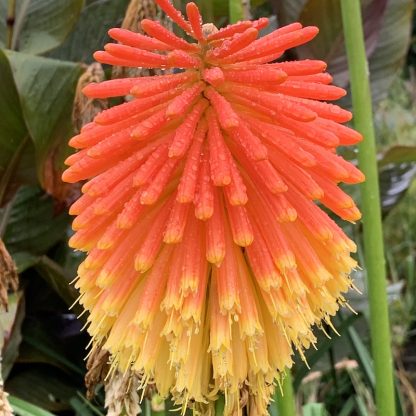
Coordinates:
(285, 404)
(372, 226)
(236, 10)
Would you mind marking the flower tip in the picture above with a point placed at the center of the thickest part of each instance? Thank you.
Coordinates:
(69, 176)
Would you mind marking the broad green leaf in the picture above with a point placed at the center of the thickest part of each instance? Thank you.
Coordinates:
(33, 227)
(10, 332)
(90, 32)
(399, 154)
(24, 260)
(42, 25)
(43, 386)
(58, 279)
(46, 92)
(14, 139)
(24, 408)
(314, 409)
(392, 46)
(386, 29)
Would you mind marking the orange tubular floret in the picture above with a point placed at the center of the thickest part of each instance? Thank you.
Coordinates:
(236, 191)
(182, 59)
(129, 109)
(184, 134)
(195, 20)
(151, 125)
(299, 68)
(218, 158)
(111, 88)
(204, 196)
(239, 41)
(155, 161)
(137, 40)
(181, 104)
(187, 184)
(174, 14)
(241, 228)
(136, 56)
(252, 145)
(215, 238)
(310, 90)
(214, 76)
(275, 43)
(159, 84)
(225, 114)
(152, 243)
(176, 223)
(275, 102)
(323, 78)
(325, 110)
(156, 30)
(156, 187)
(262, 75)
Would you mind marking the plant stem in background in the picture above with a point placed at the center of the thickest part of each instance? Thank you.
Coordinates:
(236, 10)
(372, 226)
(11, 10)
(285, 404)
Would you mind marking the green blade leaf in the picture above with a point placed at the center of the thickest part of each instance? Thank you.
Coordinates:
(13, 134)
(33, 227)
(90, 32)
(46, 92)
(42, 25)
(314, 409)
(24, 408)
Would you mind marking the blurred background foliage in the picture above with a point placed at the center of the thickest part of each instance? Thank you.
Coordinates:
(45, 47)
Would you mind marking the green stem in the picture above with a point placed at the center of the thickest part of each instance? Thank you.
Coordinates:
(236, 10)
(372, 226)
(11, 9)
(219, 406)
(286, 403)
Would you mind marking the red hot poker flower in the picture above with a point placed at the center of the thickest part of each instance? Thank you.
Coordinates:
(208, 258)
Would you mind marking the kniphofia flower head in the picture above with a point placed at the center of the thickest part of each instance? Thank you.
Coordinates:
(209, 261)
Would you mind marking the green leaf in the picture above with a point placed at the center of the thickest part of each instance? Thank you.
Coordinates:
(43, 386)
(314, 409)
(387, 33)
(363, 356)
(13, 133)
(46, 90)
(42, 25)
(11, 332)
(58, 279)
(24, 260)
(90, 32)
(392, 46)
(33, 227)
(24, 408)
(399, 154)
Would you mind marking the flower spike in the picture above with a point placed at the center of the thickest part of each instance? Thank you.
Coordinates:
(208, 260)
